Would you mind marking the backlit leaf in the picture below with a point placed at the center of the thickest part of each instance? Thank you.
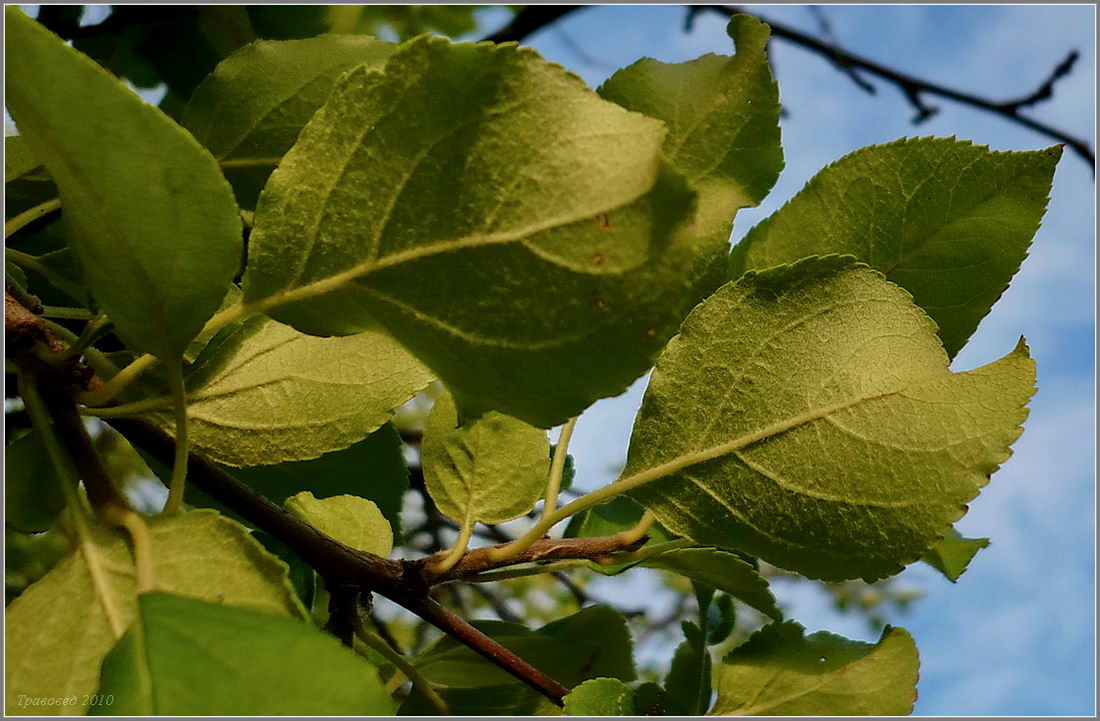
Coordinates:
(61, 627)
(489, 470)
(152, 220)
(485, 207)
(600, 697)
(948, 221)
(265, 393)
(351, 520)
(807, 415)
(780, 672)
(953, 553)
(185, 657)
(249, 111)
(722, 115)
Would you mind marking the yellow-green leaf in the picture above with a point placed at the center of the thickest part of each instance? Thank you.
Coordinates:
(807, 415)
(351, 520)
(61, 627)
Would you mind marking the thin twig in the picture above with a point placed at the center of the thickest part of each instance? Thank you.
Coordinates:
(915, 88)
(530, 20)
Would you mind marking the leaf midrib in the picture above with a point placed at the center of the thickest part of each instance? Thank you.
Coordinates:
(693, 458)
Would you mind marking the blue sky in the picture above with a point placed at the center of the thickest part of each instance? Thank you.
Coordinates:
(1016, 634)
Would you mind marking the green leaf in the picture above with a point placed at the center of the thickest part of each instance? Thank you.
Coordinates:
(26, 182)
(688, 684)
(490, 470)
(32, 490)
(600, 697)
(606, 519)
(722, 115)
(265, 393)
(61, 627)
(153, 221)
(953, 553)
(351, 520)
(185, 657)
(594, 642)
(249, 111)
(948, 221)
(514, 288)
(724, 571)
(780, 672)
(807, 415)
(721, 618)
(374, 468)
(650, 700)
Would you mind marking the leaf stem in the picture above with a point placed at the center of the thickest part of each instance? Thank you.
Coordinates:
(118, 383)
(30, 215)
(95, 358)
(56, 311)
(179, 465)
(377, 644)
(458, 550)
(127, 410)
(144, 567)
(30, 262)
(86, 336)
(561, 452)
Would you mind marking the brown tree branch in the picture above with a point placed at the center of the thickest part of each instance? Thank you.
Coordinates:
(541, 551)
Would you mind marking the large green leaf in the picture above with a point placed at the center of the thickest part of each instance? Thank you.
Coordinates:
(600, 697)
(953, 553)
(780, 672)
(60, 628)
(807, 415)
(265, 393)
(593, 642)
(486, 207)
(185, 657)
(948, 221)
(351, 520)
(249, 111)
(33, 494)
(722, 115)
(152, 220)
(490, 470)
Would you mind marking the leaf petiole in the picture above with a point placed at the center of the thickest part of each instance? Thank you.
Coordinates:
(29, 216)
(376, 643)
(561, 451)
(179, 465)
